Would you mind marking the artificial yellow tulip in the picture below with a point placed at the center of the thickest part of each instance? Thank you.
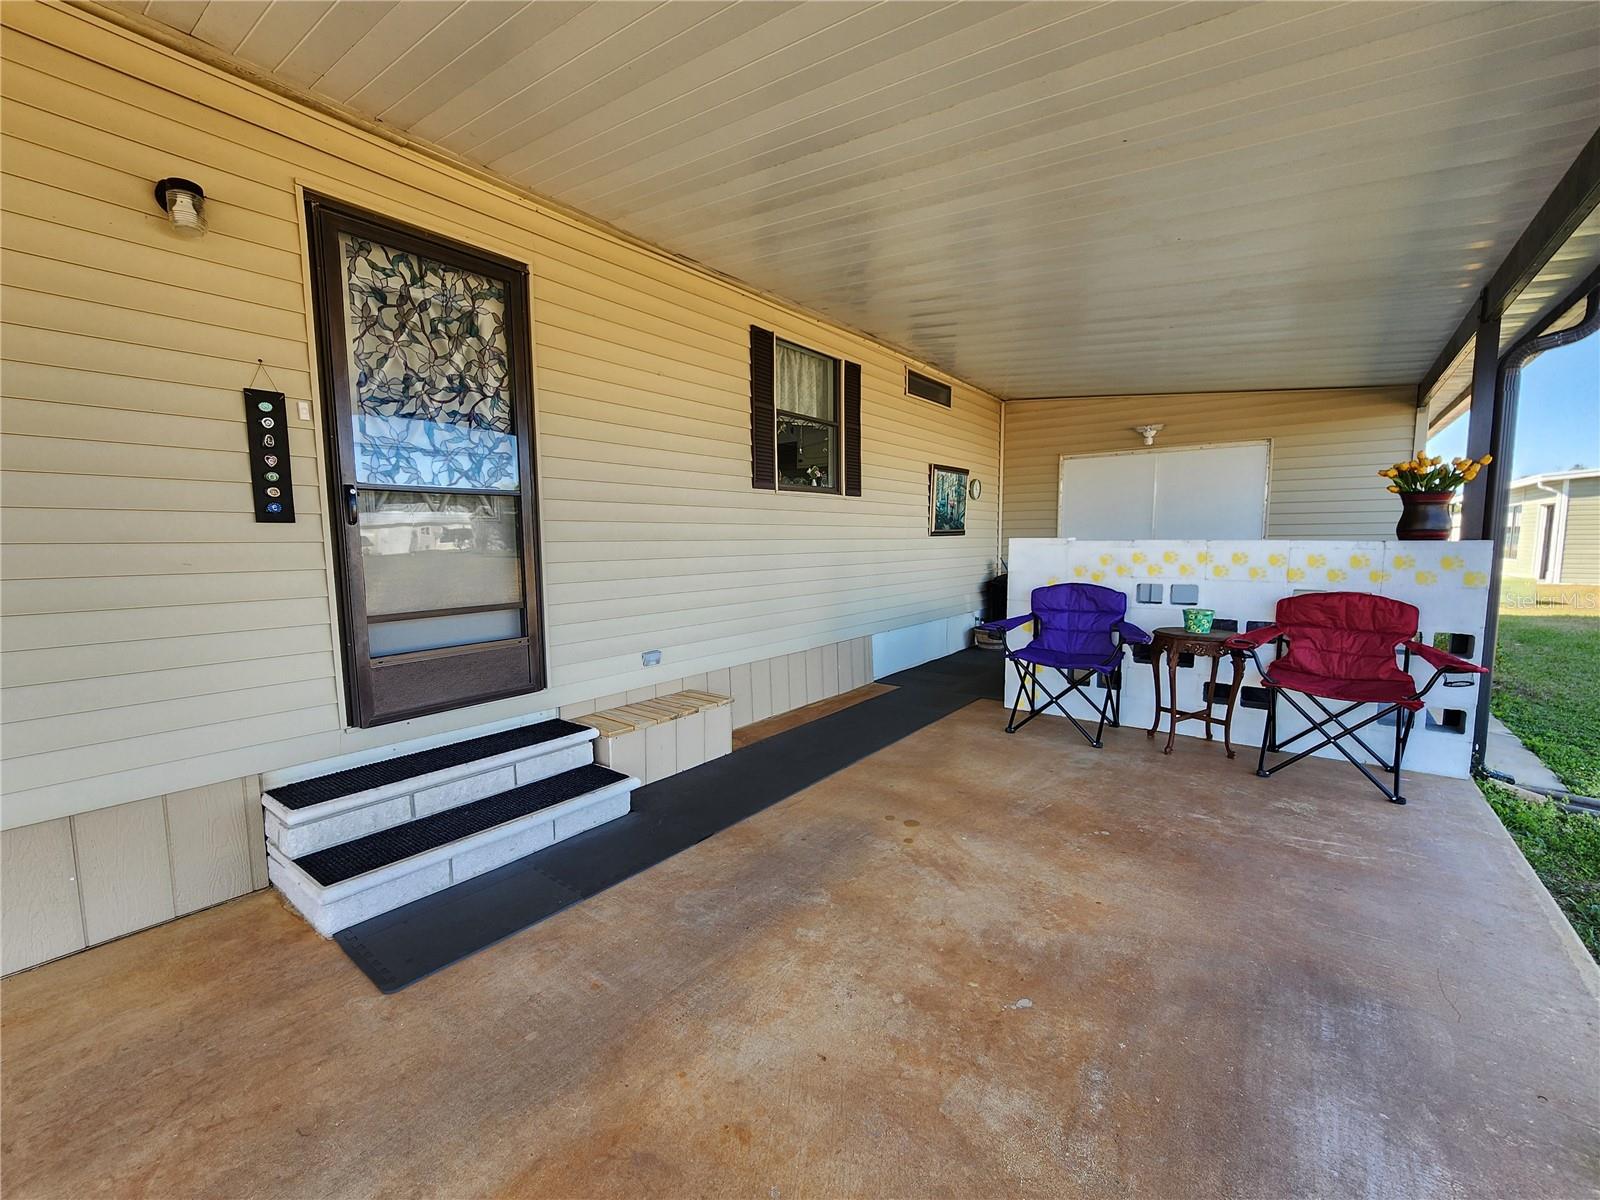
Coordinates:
(1392, 488)
(1486, 460)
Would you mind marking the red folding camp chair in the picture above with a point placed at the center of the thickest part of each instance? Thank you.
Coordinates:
(1342, 646)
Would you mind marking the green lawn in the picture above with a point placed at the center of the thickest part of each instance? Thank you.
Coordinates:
(1564, 850)
(1547, 690)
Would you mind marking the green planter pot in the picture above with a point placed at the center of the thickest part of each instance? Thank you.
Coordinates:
(1198, 620)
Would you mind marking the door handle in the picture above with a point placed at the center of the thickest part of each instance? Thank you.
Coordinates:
(351, 509)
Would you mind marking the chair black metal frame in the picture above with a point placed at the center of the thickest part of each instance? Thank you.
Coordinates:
(1109, 709)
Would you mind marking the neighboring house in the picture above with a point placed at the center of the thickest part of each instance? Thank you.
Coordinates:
(1553, 527)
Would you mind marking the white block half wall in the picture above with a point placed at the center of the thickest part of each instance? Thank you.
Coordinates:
(1243, 581)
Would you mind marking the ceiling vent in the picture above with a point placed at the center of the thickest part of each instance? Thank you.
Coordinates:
(923, 388)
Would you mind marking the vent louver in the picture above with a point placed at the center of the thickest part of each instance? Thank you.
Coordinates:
(924, 388)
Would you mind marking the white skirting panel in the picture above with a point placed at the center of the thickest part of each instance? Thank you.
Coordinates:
(1243, 581)
(901, 649)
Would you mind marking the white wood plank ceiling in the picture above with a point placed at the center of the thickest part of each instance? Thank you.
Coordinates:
(1575, 261)
(1042, 198)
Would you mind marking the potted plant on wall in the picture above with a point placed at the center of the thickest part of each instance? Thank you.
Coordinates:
(1426, 486)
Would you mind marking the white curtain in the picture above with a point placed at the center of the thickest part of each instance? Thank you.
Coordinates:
(804, 383)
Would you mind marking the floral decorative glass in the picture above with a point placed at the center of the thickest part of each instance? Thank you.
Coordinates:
(429, 369)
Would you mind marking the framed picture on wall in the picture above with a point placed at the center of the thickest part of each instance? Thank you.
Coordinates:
(947, 501)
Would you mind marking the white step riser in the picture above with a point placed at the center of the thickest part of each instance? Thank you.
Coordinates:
(330, 909)
(297, 832)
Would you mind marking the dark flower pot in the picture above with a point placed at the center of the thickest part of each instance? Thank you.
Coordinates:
(1425, 517)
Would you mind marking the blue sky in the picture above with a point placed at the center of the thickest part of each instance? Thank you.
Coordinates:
(1558, 413)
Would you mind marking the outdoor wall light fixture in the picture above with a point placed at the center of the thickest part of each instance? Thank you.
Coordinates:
(184, 202)
(975, 488)
(1148, 433)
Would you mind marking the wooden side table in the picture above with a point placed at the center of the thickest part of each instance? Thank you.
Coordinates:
(1173, 640)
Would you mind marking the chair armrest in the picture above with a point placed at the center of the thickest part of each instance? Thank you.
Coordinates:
(1251, 639)
(1441, 660)
(1003, 625)
(1132, 633)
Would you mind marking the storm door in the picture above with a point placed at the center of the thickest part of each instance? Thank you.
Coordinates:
(426, 377)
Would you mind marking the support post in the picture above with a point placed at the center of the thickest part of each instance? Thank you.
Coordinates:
(1486, 430)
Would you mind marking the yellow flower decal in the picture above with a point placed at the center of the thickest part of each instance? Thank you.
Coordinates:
(1153, 570)
(1051, 582)
(1138, 556)
(1296, 574)
(1404, 562)
(1258, 573)
(1105, 560)
(1240, 558)
(1427, 578)
(1377, 576)
(1335, 575)
(1220, 571)
(1359, 562)
(1122, 569)
(1079, 572)
(1186, 570)
(1171, 556)
(1475, 579)
(1451, 563)
(1203, 557)
(1275, 560)
(1316, 560)
(1097, 576)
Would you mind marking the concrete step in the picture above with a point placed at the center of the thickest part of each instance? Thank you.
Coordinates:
(325, 810)
(344, 884)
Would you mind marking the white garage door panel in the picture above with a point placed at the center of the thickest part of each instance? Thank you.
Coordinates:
(1107, 497)
(1212, 492)
(1196, 492)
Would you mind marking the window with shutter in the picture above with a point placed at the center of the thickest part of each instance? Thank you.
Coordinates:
(805, 414)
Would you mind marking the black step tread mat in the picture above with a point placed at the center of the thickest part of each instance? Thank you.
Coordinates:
(307, 792)
(338, 863)
(398, 948)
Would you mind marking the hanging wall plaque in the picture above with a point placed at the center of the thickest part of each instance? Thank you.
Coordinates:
(266, 418)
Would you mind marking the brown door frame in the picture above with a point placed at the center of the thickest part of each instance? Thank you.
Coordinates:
(413, 684)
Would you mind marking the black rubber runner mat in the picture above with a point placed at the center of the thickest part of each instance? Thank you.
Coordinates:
(346, 861)
(403, 946)
(391, 770)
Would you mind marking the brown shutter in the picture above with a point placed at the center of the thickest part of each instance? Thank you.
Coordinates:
(852, 429)
(763, 434)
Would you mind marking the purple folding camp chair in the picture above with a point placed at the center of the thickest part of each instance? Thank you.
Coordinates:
(1079, 630)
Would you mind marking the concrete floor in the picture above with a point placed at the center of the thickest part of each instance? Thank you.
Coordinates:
(972, 965)
(1506, 754)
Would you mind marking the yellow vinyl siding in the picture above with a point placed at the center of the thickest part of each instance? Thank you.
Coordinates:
(1580, 559)
(158, 639)
(1524, 564)
(1327, 447)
